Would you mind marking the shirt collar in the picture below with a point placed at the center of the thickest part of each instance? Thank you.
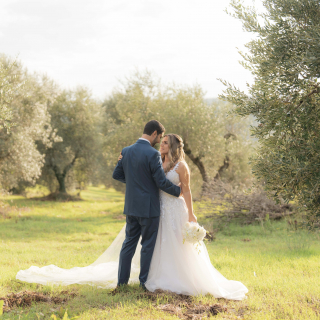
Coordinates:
(144, 140)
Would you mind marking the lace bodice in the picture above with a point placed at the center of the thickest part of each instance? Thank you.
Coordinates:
(174, 212)
(173, 176)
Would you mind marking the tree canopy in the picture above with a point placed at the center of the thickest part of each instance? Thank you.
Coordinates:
(76, 117)
(7, 75)
(214, 143)
(66, 138)
(284, 58)
(24, 121)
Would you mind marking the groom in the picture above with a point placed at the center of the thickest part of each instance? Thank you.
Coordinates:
(141, 170)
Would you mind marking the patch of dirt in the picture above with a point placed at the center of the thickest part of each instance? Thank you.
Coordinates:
(168, 295)
(183, 306)
(193, 312)
(58, 196)
(8, 212)
(25, 299)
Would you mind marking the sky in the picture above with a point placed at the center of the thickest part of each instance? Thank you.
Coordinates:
(98, 43)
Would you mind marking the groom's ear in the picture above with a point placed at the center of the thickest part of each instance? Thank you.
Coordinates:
(155, 133)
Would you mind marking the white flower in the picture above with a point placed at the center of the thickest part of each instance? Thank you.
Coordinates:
(202, 232)
(193, 233)
(194, 227)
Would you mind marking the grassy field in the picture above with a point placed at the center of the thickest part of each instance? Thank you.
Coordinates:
(280, 269)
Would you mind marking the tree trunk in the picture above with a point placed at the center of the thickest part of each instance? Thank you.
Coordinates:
(226, 161)
(62, 176)
(225, 166)
(62, 185)
(197, 161)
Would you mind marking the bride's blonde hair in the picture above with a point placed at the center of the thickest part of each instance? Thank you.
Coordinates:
(176, 152)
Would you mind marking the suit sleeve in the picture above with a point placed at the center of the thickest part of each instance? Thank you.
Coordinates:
(118, 173)
(160, 178)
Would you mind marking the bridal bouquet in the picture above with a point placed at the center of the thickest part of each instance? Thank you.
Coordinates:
(194, 233)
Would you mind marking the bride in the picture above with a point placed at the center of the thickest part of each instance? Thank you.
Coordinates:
(176, 265)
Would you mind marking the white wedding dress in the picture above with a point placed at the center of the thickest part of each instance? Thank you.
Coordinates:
(175, 266)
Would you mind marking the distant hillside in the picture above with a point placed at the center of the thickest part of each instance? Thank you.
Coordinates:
(252, 120)
(212, 100)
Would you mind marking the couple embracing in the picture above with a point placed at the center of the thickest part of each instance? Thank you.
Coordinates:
(163, 260)
(167, 262)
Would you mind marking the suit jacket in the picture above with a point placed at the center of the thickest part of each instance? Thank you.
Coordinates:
(141, 170)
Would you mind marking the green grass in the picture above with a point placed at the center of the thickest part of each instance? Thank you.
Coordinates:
(283, 283)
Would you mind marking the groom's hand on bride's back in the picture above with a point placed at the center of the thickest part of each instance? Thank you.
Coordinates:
(118, 173)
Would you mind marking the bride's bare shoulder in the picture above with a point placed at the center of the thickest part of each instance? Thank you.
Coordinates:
(182, 167)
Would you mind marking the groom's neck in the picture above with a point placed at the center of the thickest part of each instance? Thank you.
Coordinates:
(149, 138)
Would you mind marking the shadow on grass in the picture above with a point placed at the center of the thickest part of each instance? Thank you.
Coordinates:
(58, 196)
(35, 227)
(32, 202)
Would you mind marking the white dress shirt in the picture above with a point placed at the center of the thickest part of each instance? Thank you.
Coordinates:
(144, 140)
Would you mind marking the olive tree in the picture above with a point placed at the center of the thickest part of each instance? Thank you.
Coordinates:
(210, 142)
(284, 58)
(76, 116)
(7, 87)
(24, 110)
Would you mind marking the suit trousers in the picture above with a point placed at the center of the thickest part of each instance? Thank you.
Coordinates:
(148, 229)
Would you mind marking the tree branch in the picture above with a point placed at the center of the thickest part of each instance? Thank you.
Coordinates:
(197, 161)
(70, 165)
(316, 90)
(226, 163)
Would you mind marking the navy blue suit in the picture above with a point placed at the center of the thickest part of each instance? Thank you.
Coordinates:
(141, 170)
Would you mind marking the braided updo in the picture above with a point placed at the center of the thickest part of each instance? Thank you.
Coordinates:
(176, 152)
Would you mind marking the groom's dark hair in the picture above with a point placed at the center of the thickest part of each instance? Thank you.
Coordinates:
(153, 126)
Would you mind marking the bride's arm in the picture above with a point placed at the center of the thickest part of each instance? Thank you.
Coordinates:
(184, 175)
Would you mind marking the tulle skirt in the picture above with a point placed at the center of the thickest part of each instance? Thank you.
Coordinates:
(103, 273)
(175, 266)
(182, 267)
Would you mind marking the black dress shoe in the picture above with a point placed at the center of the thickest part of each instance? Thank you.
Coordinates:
(144, 288)
(119, 289)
